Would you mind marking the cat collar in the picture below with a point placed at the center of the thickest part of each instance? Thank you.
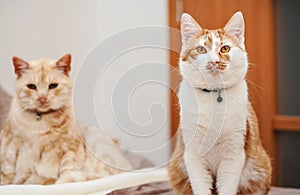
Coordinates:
(219, 98)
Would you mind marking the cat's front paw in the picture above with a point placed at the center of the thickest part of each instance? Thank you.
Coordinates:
(70, 177)
(202, 192)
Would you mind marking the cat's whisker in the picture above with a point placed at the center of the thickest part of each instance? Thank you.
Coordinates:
(251, 65)
(250, 82)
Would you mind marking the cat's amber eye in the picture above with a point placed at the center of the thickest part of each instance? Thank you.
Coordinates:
(53, 85)
(225, 49)
(201, 50)
(31, 86)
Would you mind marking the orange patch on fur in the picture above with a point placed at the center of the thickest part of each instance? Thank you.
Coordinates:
(224, 56)
(190, 53)
(208, 43)
(28, 93)
(178, 175)
(221, 66)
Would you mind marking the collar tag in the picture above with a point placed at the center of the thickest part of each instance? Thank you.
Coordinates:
(38, 116)
(219, 98)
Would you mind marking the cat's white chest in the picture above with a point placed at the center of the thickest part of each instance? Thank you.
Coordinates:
(207, 123)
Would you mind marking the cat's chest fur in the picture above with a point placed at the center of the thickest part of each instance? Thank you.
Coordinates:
(209, 127)
(41, 154)
(37, 143)
(43, 162)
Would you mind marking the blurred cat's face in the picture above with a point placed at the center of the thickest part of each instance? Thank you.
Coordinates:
(43, 85)
(213, 58)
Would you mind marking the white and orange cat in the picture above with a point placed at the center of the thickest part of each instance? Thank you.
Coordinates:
(40, 143)
(218, 144)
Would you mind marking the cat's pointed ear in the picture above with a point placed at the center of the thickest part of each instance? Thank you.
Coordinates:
(189, 27)
(20, 66)
(236, 26)
(64, 64)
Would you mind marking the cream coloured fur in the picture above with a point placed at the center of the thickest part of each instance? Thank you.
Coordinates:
(40, 143)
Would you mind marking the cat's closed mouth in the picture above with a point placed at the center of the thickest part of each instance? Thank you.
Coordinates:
(44, 112)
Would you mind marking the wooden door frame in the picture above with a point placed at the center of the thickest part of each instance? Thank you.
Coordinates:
(173, 61)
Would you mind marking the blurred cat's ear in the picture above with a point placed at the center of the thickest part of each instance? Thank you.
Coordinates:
(20, 66)
(236, 27)
(64, 64)
(189, 27)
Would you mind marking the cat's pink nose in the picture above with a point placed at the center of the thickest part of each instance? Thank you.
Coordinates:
(214, 62)
(42, 99)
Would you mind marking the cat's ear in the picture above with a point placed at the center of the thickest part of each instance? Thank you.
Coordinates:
(189, 27)
(236, 26)
(64, 64)
(20, 66)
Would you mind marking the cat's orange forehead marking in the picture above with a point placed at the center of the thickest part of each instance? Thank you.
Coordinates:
(212, 37)
(42, 74)
(202, 33)
(209, 41)
(220, 32)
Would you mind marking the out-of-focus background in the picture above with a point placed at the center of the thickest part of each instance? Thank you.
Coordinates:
(149, 110)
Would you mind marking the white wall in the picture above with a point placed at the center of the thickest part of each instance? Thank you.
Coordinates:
(33, 29)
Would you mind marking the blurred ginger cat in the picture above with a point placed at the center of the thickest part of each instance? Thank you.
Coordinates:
(40, 143)
(218, 145)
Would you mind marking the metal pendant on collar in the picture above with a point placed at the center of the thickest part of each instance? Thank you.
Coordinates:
(38, 116)
(219, 98)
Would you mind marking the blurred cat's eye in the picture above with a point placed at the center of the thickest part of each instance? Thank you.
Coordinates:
(53, 85)
(31, 86)
(201, 50)
(225, 49)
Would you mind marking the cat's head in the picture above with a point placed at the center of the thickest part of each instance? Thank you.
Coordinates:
(213, 58)
(43, 85)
